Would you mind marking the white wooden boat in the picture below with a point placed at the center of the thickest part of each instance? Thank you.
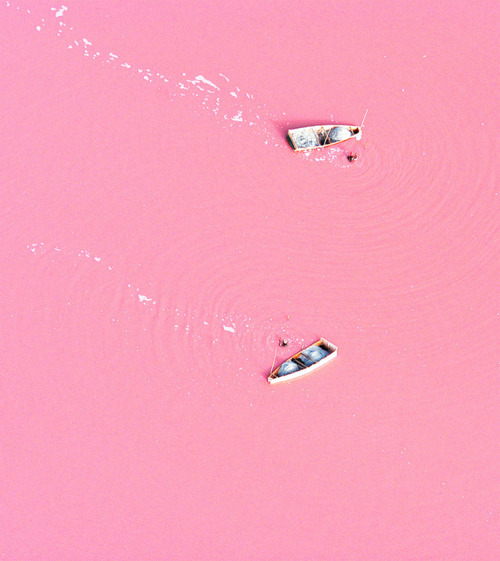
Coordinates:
(320, 136)
(304, 362)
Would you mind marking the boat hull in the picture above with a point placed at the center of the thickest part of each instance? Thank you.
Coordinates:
(321, 136)
(323, 343)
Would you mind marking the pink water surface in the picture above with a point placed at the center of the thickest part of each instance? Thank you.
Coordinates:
(158, 236)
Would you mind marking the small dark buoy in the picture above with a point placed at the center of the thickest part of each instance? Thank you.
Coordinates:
(352, 157)
(283, 343)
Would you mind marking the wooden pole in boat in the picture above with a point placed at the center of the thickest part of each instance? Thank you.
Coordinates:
(274, 359)
(363, 121)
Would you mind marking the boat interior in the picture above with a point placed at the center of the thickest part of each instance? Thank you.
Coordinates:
(315, 137)
(328, 135)
(304, 359)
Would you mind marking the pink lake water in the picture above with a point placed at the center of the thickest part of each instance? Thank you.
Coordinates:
(158, 237)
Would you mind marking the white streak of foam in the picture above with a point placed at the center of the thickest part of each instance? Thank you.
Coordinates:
(224, 101)
(205, 81)
(60, 12)
(40, 248)
(35, 247)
